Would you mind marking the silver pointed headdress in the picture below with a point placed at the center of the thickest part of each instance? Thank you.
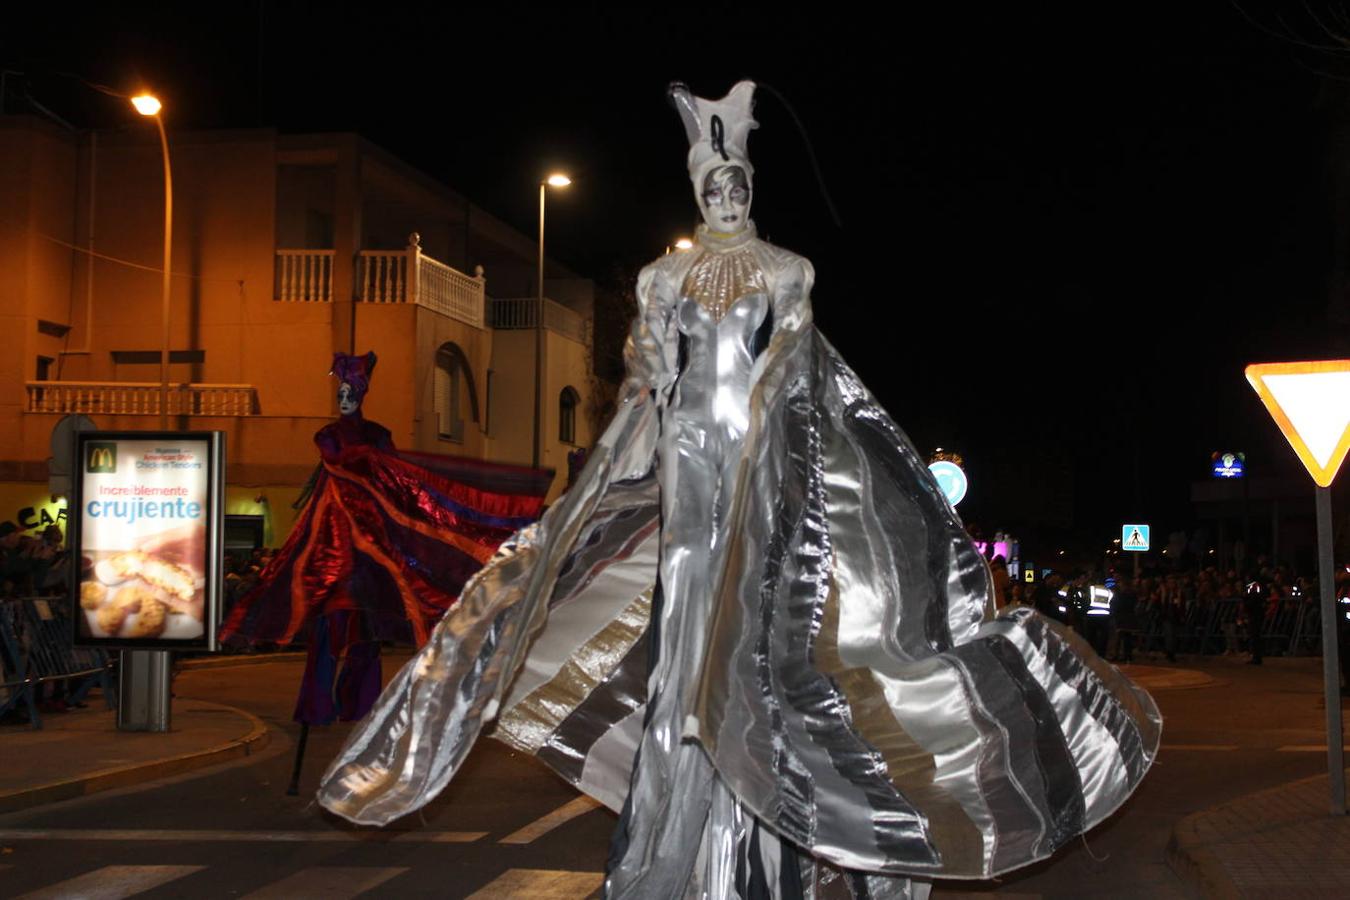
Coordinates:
(717, 129)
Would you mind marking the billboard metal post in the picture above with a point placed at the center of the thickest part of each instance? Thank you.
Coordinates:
(143, 694)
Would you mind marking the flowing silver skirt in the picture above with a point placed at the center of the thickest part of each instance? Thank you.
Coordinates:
(854, 697)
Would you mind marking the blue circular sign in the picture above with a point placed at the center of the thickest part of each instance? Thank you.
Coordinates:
(951, 478)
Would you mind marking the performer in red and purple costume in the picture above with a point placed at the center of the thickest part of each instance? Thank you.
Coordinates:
(382, 548)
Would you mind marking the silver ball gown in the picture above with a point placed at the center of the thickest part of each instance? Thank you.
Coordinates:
(756, 628)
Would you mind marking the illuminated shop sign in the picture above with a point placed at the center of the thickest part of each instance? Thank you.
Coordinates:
(1229, 465)
(147, 516)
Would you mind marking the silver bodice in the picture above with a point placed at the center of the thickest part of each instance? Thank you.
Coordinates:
(714, 383)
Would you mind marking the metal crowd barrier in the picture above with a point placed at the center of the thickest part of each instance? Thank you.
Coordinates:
(1291, 629)
(35, 648)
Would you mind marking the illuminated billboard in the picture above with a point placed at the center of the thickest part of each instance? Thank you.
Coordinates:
(146, 519)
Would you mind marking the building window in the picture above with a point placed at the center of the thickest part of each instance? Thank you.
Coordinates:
(567, 415)
(455, 399)
(44, 368)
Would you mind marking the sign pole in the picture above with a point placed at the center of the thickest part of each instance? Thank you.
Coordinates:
(1331, 673)
(1310, 402)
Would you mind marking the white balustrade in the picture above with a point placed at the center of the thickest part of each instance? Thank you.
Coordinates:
(518, 312)
(305, 276)
(127, 398)
(410, 276)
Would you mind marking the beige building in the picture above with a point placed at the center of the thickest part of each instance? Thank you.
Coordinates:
(285, 249)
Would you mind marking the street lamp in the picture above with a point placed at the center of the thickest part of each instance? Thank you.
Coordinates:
(148, 105)
(145, 698)
(557, 180)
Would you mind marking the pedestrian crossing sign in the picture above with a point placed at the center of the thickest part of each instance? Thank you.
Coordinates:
(1134, 537)
(1310, 401)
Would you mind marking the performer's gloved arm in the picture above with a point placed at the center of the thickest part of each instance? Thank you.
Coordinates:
(791, 307)
(649, 354)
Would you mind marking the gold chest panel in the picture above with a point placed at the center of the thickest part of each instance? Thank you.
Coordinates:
(717, 280)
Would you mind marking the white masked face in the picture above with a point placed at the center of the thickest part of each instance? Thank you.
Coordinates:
(724, 199)
(347, 402)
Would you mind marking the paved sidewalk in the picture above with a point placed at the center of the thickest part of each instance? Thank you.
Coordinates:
(81, 752)
(1281, 842)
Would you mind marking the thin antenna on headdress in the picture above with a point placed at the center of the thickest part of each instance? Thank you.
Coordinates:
(810, 150)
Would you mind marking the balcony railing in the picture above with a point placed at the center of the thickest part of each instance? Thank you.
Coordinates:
(386, 276)
(127, 398)
(305, 276)
(410, 276)
(520, 312)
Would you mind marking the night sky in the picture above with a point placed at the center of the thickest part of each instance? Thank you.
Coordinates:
(1063, 233)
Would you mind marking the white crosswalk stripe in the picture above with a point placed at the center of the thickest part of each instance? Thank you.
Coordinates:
(540, 884)
(326, 883)
(1200, 747)
(545, 824)
(222, 836)
(112, 883)
(1305, 748)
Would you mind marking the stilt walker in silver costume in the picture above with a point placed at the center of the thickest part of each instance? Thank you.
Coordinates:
(755, 626)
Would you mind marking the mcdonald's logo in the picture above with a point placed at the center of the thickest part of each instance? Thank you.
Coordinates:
(101, 457)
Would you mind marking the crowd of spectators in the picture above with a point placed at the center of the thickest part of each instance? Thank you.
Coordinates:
(32, 564)
(1246, 608)
(242, 568)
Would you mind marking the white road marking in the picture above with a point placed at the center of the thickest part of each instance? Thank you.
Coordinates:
(540, 884)
(112, 883)
(541, 826)
(252, 837)
(326, 883)
(1304, 748)
(1204, 747)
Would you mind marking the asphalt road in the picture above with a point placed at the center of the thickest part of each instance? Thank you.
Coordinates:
(507, 827)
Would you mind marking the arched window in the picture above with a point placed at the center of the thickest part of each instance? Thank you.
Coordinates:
(567, 415)
(454, 395)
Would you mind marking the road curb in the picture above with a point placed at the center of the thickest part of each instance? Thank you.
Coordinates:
(243, 659)
(1189, 857)
(138, 773)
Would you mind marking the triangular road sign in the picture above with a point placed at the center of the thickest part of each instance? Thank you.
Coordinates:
(1310, 401)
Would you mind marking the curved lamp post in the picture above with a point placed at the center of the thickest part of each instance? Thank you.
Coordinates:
(148, 105)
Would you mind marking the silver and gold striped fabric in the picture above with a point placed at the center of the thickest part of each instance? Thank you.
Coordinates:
(855, 693)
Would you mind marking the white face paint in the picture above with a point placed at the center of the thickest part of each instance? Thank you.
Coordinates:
(724, 200)
(347, 402)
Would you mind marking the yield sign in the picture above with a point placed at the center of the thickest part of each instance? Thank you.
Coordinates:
(1310, 401)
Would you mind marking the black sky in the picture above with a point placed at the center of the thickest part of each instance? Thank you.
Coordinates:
(1064, 232)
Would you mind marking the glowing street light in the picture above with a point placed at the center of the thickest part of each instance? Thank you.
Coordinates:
(557, 180)
(146, 104)
(684, 244)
